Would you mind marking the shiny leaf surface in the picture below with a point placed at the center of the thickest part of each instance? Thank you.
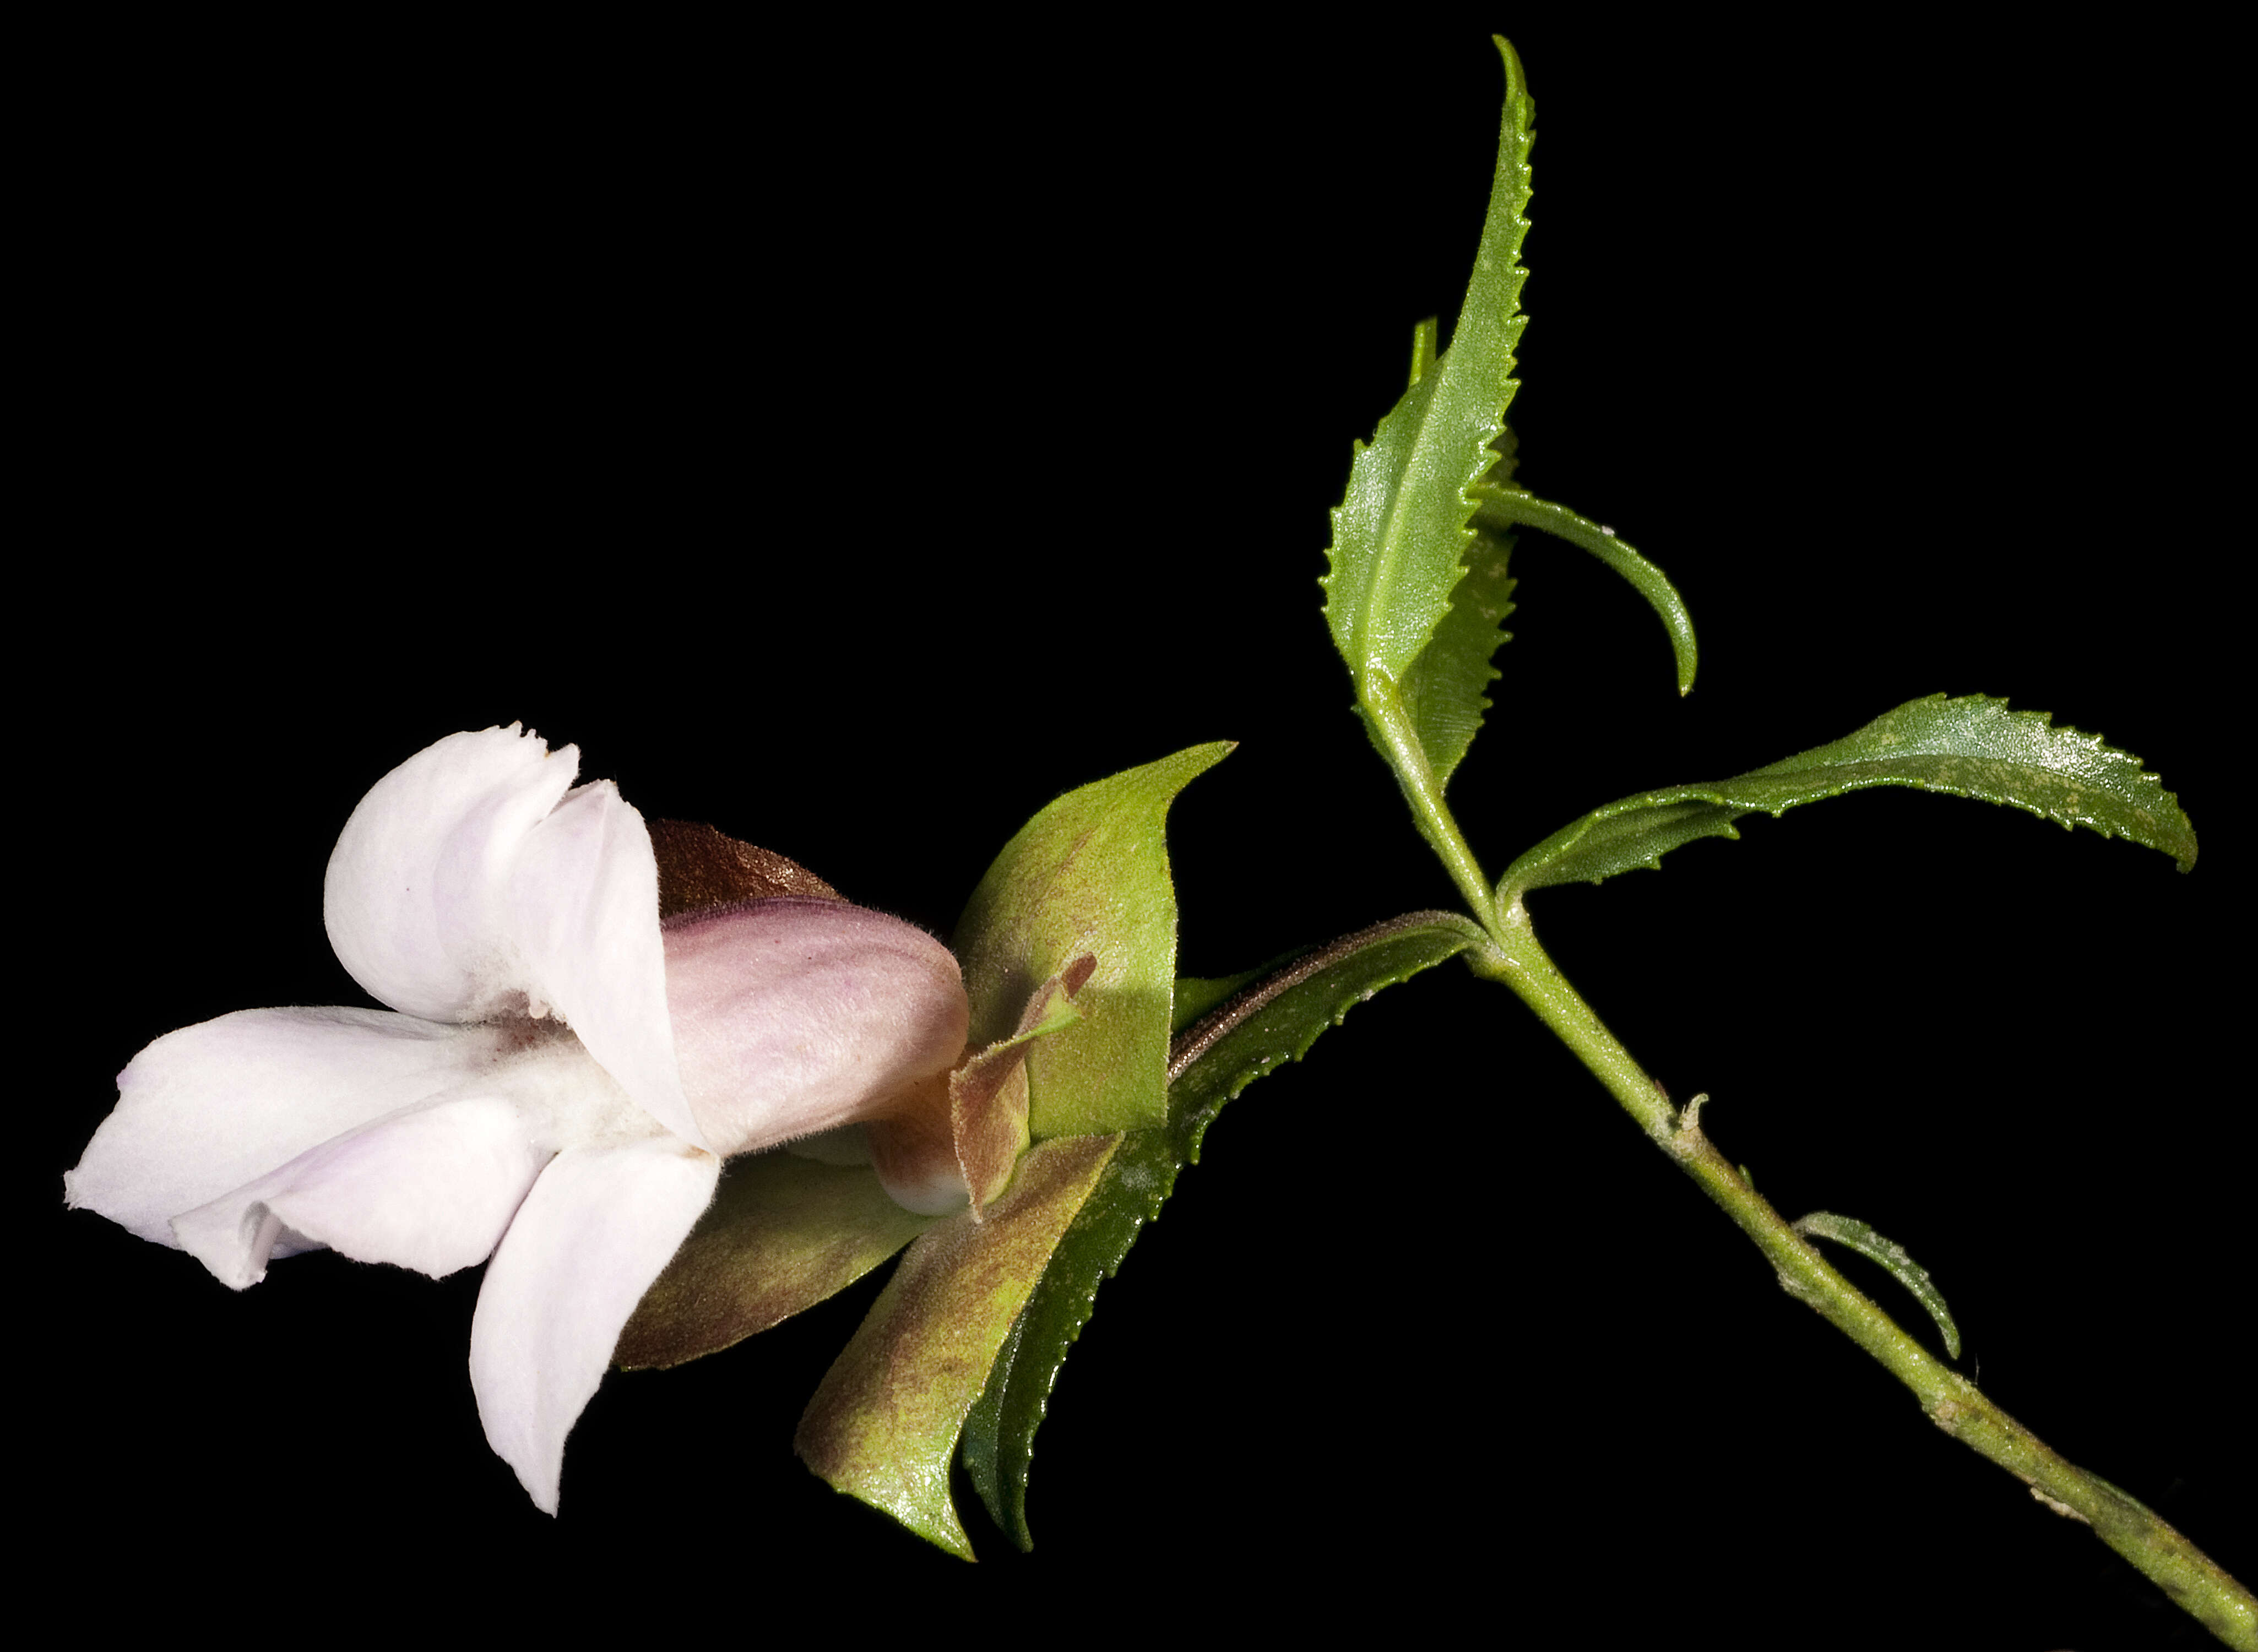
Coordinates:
(1969, 748)
(1399, 533)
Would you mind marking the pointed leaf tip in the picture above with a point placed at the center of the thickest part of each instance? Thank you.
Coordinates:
(1402, 543)
(1973, 747)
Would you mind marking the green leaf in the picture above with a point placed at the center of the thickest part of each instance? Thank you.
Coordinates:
(1399, 533)
(1500, 507)
(1443, 692)
(1825, 1224)
(1261, 1028)
(782, 1234)
(886, 1420)
(1088, 874)
(1196, 995)
(1969, 747)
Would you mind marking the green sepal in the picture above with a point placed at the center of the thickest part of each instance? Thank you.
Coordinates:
(886, 1418)
(782, 1234)
(1262, 1026)
(1401, 533)
(1088, 874)
(1825, 1224)
(1969, 748)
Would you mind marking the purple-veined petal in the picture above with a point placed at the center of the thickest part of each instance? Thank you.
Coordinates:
(417, 894)
(213, 1106)
(431, 1187)
(598, 1227)
(795, 1016)
(584, 914)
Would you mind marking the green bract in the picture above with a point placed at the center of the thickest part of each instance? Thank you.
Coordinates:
(1087, 877)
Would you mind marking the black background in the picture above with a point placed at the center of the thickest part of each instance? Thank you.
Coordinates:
(856, 439)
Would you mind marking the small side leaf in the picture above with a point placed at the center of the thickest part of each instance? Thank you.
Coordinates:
(1262, 1027)
(1825, 1224)
(1500, 508)
(1969, 748)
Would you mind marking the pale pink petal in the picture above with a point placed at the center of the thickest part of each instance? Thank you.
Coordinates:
(585, 912)
(430, 1187)
(594, 1233)
(417, 895)
(214, 1106)
(793, 1016)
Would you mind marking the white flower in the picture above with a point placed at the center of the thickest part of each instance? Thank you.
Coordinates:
(530, 1098)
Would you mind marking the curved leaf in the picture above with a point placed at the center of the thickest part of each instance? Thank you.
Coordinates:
(1264, 1026)
(1500, 508)
(1969, 748)
(1825, 1224)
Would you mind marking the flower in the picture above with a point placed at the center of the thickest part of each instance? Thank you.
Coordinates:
(555, 1085)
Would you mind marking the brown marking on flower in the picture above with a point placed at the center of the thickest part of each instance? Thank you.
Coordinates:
(700, 868)
(988, 1092)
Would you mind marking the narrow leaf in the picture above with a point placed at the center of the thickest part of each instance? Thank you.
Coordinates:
(1262, 1027)
(1824, 1225)
(1500, 507)
(1969, 748)
(1401, 534)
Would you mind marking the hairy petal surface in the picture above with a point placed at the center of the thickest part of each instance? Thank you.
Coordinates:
(214, 1107)
(584, 897)
(599, 1224)
(418, 897)
(796, 1016)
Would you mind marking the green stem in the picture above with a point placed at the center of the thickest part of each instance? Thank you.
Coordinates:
(1952, 1402)
(1407, 758)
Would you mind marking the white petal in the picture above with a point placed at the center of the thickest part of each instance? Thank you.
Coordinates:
(585, 912)
(431, 1187)
(417, 895)
(793, 1016)
(213, 1106)
(598, 1227)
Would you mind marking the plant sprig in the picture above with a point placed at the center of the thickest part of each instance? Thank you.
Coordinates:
(1411, 529)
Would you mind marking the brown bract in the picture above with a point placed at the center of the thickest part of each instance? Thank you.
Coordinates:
(699, 867)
